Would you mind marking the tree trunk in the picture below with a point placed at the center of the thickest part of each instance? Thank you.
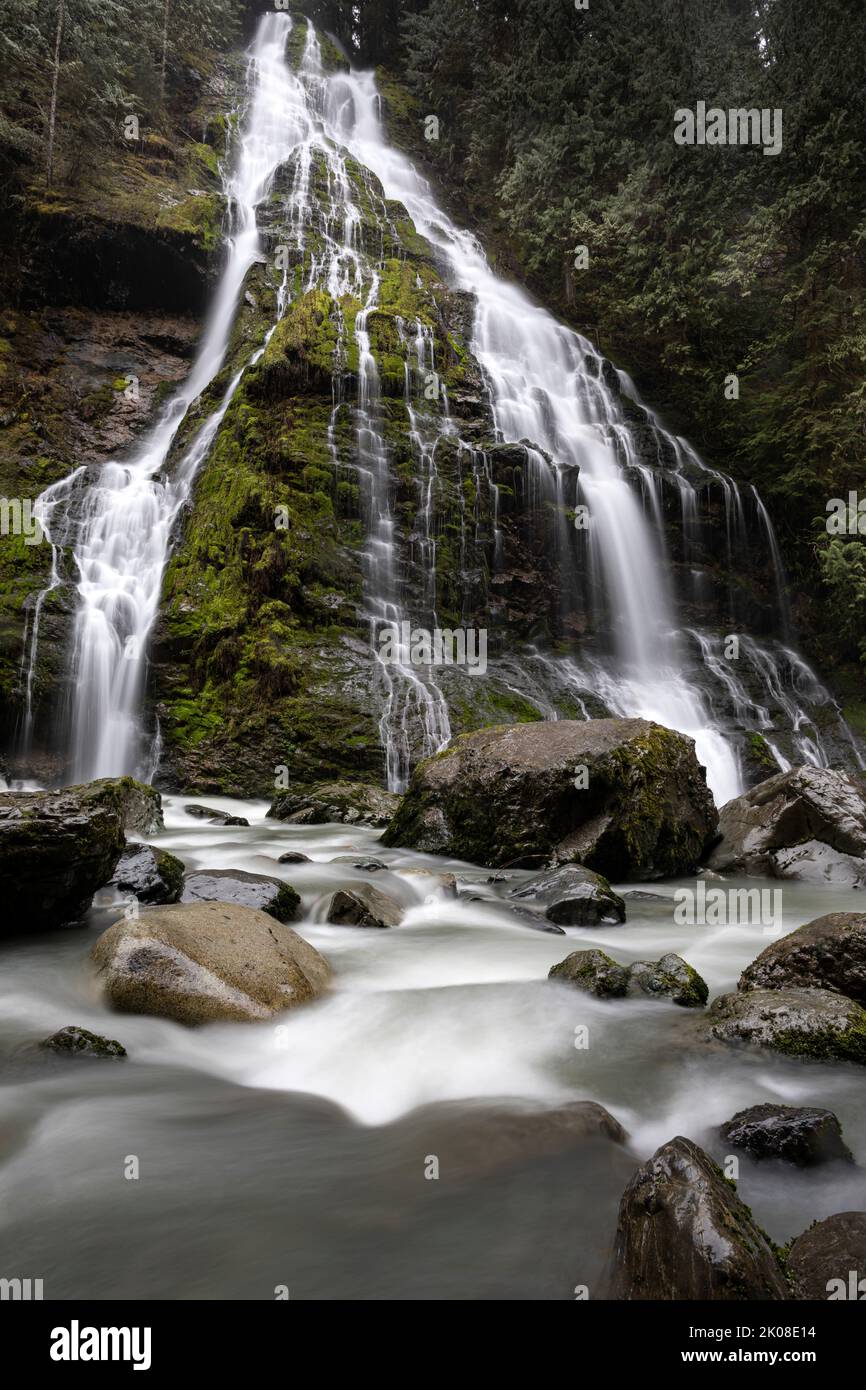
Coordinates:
(55, 75)
(164, 51)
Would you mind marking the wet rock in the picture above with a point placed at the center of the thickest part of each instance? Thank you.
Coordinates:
(362, 907)
(637, 895)
(683, 1233)
(808, 823)
(141, 805)
(151, 875)
(370, 866)
(57, 848)
(78, 1042)
(624, 797)
(805, 1135)
(798, 1022)
(828, 953)
(593, 971)
(349, 803)
(214, 817)
(205, 962)
(573, 896)
(260, 891)
(670, 977)
(829, 1260)
(294, 856)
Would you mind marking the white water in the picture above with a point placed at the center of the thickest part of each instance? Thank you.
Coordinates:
(548, 388)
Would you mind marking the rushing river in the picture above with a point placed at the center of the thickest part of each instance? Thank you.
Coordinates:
(294, 1152)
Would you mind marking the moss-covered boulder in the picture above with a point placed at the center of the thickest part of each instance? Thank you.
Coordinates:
(259, 891)
(593, 971)
(206, 962)
(668, 978)
(684, 1234)
(828, 953)
(624, 797)
(57, 848)
(80, 1042)
(807, 1023)
(151, 875)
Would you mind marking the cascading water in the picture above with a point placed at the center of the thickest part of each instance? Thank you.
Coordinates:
(549, 389)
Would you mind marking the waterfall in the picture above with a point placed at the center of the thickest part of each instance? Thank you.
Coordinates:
(550, 391)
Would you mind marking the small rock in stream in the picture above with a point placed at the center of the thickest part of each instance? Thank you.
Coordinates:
(804, 1135)
(72, 1041)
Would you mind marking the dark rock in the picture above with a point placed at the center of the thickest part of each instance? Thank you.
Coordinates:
(799, 1022)
(214, 817)
(808, 823)
(57, 848)
(515, 795)
(370, 866)
(78, 1042)
(593, 971)
(828, 953)
(684, 1234)
(205, 962)
(668, 978)
(260, 891)
(141, 805)
(804, 1135)
(828, 1261)
(151, 875)
(348, 803)
(362, 907)
(294, 856)
(574, 896)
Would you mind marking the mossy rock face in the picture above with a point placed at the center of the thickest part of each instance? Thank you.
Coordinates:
(57, 848)
(684, 1234)
(593, 971)
(829, 953)
(624, 797)
(808, 1023)
(672, 978)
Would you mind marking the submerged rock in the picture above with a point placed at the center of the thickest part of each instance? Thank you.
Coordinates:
(829, 1260)
(363, 906)
(151, 875)
(800, 1134)
(206, 962)
(78, 1042)
(350, 803)
(683, 1233)
(828, 953)
(260, 891)
(294, 856)
(214, 817)
(812, 1023)
(668, 978)
(573, 896)
(57, 848)
(624, 797)
(808, 823)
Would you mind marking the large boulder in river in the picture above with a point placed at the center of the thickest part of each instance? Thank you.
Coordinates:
(812, 1023)
(808, 823)
(151, 875)
(598, 973)
(205, 962)
(237, 886)
(362, 906)
(828, 953)
(624, 797)
(801, 1134)
(829, 1260)
(57, 848)
(573, 896)
(683, 1233)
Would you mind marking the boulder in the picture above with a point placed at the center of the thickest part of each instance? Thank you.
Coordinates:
(828, 953)
(260, 891)
(78, 1042)
(808, 823)
(822, 1261)
(206, 962)
(57, 848)
(573, 897)
(624, 797)
(801, 1134)
(668, 978)
(683, 1234)
(151, 875)
(214, 817)
(294, 856)
(350, 803)
(799, 1022)
(141, 805)
(363, 906)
